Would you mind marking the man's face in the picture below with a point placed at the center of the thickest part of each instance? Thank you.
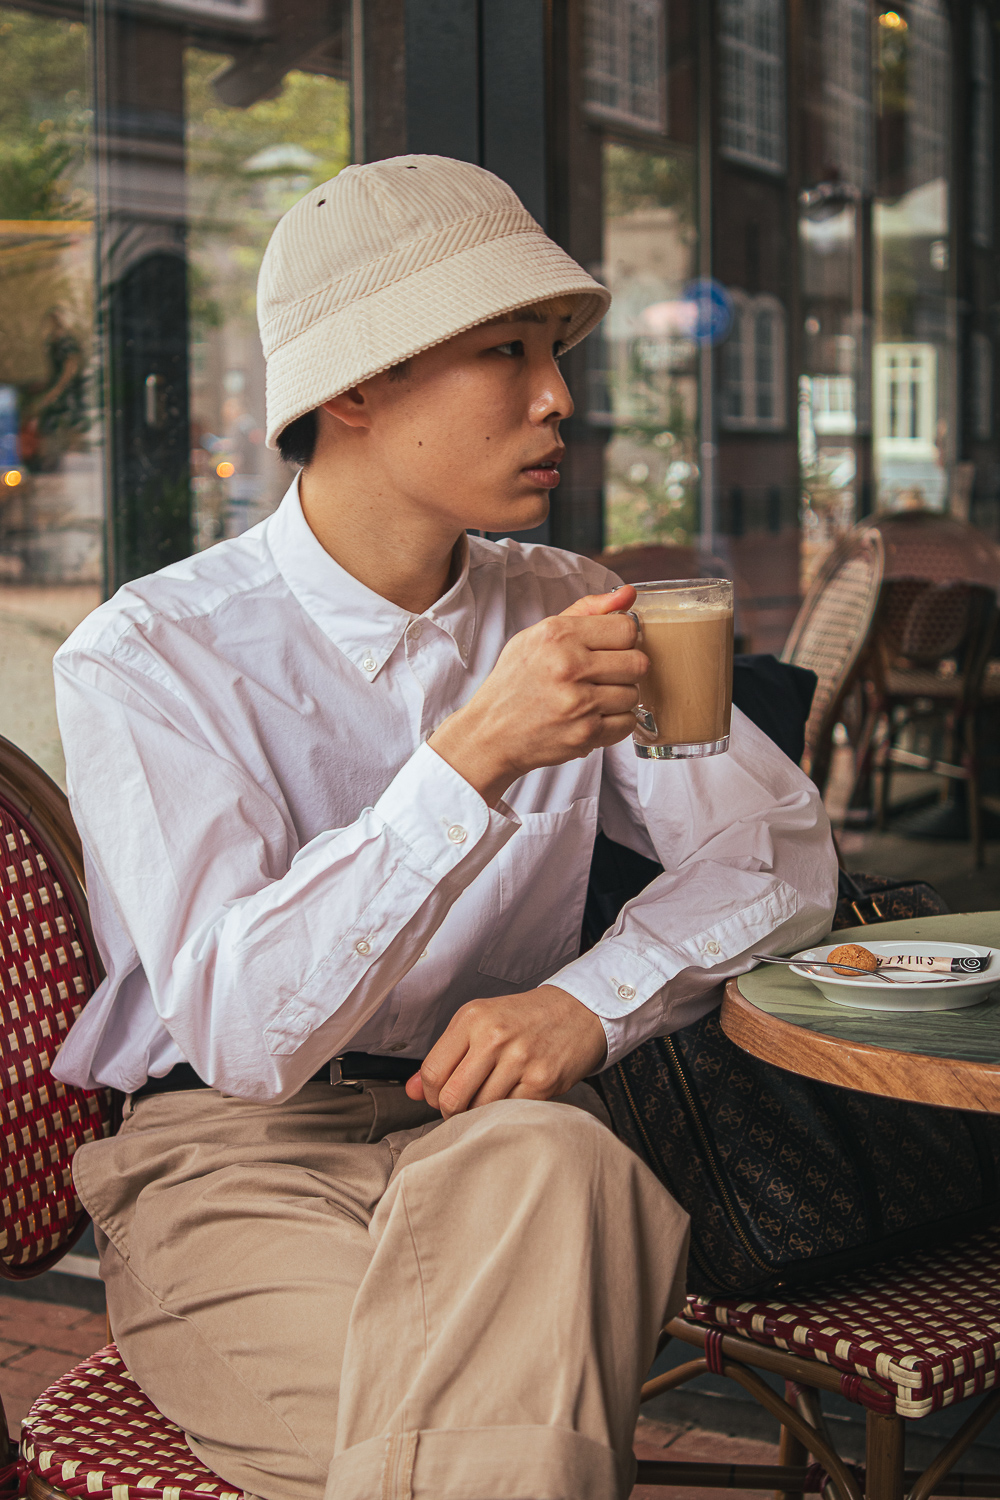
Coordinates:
(471, 432)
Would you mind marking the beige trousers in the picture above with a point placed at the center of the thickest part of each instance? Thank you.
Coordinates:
(343, 1295)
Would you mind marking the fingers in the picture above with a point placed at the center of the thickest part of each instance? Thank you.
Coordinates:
(442, 1060)
(617, 666)
(622, 597)
(604, 632)
(613, 729)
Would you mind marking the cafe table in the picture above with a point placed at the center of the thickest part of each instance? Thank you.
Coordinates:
(946, 1057)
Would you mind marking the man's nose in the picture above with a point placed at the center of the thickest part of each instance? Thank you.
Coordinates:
(553, 402)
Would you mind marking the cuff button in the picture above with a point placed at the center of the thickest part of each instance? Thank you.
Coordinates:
(626, 992)
(457, 833)
(712, 947)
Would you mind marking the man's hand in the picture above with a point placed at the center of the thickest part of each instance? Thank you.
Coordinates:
(530, 1046)
(560, 689)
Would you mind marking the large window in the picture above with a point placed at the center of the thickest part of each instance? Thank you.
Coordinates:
(131, 378)
(753, 362)
(914, 384)
(981, 207)
(752, 82)
(245, 168)
(50, 484)
(645, 392)
(846, 28)
(625, 72)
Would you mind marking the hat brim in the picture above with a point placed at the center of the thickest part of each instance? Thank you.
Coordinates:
(420, 310)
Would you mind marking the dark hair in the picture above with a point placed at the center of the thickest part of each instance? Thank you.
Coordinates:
(297, 442)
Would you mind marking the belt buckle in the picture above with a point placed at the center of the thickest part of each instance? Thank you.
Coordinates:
(336, 1075)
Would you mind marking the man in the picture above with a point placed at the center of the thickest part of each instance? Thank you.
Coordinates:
(338, 782)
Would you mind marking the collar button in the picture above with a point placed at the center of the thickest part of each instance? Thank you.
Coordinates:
(369, 663)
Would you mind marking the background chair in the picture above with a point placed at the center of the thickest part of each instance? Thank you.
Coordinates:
(830, 636)
(927, 669)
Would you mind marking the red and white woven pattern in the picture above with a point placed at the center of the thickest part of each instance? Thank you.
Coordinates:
(47, 973)
(94, 1433)
(925, 1331)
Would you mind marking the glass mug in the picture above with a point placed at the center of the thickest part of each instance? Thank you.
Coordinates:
(686, 702)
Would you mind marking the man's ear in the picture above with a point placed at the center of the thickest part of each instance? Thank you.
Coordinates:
(350, 407)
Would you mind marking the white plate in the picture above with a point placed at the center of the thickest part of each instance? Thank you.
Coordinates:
(907, 992)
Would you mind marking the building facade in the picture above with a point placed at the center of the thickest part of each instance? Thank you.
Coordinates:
(792, 201)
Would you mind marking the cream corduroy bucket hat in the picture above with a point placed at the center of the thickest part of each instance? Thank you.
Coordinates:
(390, 258)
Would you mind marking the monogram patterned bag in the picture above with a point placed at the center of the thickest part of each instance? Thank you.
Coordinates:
(786, 1180)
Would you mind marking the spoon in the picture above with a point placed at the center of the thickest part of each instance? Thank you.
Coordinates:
(820, 963)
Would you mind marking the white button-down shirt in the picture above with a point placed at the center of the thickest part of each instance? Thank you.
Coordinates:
(280, 868)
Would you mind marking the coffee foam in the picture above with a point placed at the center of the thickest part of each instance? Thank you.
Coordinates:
(684, 609)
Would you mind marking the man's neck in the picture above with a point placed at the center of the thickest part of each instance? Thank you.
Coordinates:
(404, 557)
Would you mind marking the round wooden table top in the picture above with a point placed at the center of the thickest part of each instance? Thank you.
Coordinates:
(947, 1057)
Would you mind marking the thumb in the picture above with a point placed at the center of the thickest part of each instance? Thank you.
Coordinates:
(415, 1087)
(619, 599)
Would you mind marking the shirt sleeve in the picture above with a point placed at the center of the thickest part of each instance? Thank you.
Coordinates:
(748, 864)
(263, 958)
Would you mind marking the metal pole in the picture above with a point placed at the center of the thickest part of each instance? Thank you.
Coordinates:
(357, 23)
(706, 393)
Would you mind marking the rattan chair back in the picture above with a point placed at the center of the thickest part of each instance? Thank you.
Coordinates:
(830, 633)
(48, 970)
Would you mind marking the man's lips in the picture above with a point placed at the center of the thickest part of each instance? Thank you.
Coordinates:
(545, 473)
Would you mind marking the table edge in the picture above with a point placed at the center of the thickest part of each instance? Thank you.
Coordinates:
(951, 1083)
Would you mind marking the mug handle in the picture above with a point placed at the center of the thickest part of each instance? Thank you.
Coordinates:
(643, 717)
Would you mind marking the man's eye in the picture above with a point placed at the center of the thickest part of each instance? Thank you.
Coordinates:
(515, 349)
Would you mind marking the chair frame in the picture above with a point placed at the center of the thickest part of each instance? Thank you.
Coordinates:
(804, 1431)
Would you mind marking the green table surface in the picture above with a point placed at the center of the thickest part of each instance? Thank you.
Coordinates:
(972, 1035)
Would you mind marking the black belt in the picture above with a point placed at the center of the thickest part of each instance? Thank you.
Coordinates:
(346, 1068)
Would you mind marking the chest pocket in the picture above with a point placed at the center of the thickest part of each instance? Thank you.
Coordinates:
(543, 874)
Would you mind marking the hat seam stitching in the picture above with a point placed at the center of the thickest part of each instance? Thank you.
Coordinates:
(372, 266)
(590, 291)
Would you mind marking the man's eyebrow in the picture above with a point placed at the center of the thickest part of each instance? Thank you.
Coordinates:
(523, 315)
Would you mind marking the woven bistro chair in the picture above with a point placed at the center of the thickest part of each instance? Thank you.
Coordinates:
(831, 636)
(899, 1341)
(928, 667)
(93, 1433)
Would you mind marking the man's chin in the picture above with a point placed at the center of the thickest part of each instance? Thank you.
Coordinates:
(524, 514)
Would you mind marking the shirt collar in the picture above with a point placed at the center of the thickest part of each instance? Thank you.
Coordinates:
(363, 625)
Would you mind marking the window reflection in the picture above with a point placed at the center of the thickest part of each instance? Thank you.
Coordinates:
(982, 129)
(245, 168)
(623, 76)
(646, 392)
(752, 83)
(914, 366)
(50, 475)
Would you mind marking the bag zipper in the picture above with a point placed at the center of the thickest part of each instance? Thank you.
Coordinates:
(667, 1044)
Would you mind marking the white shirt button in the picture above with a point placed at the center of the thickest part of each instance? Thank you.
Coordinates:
(369, 663)
(712, 947)
(363, 947)
(415, 631)
(457, 833)
(626, 992)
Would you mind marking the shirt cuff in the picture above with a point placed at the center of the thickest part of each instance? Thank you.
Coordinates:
(439, 816)
(615, 980)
